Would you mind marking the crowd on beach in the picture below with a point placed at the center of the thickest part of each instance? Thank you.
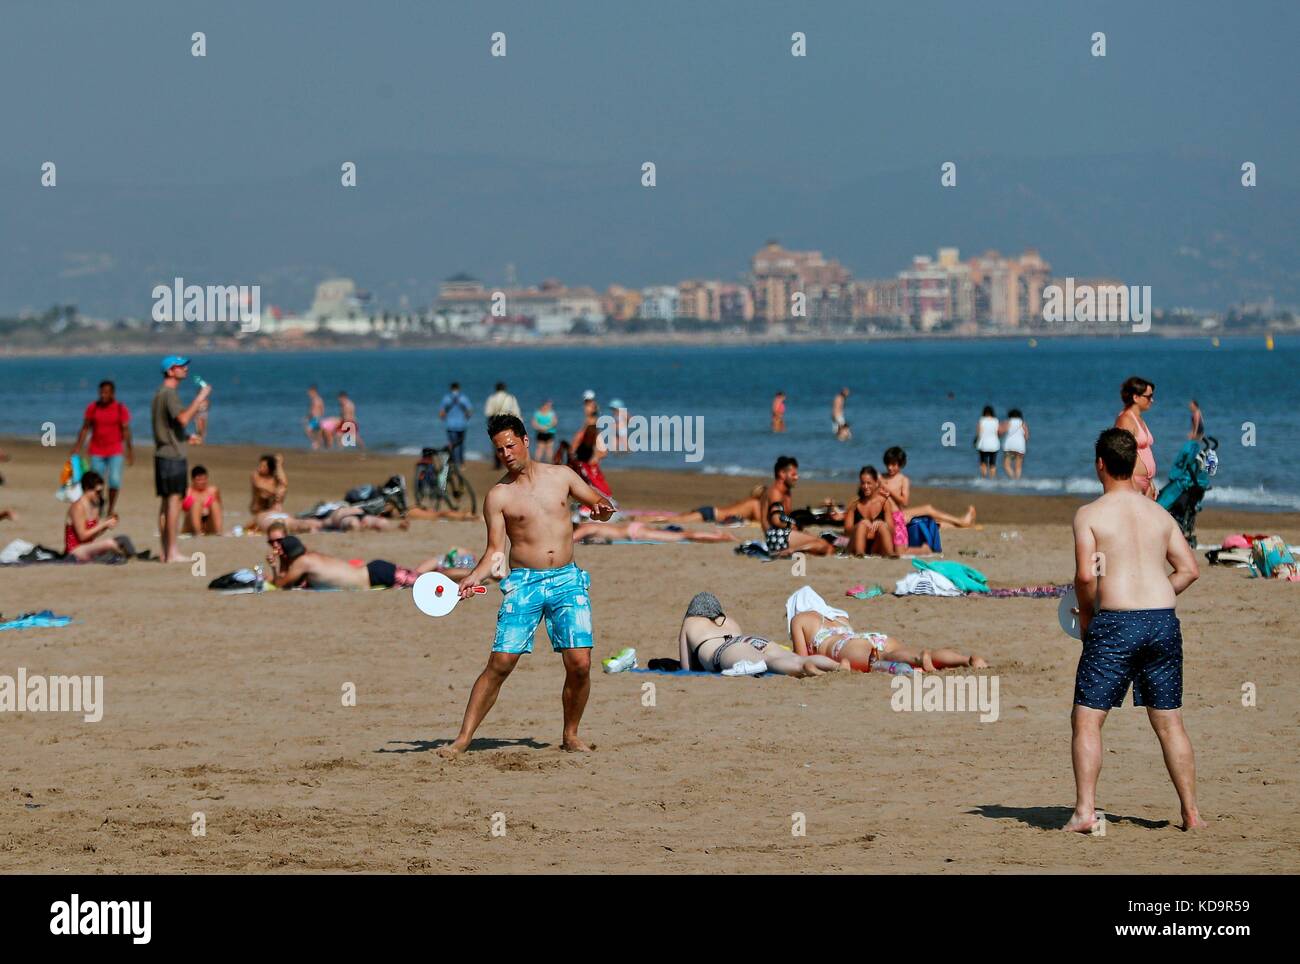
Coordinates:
(554, 496)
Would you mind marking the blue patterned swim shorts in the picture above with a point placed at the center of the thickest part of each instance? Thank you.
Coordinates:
(557, 595)
(1139, 646)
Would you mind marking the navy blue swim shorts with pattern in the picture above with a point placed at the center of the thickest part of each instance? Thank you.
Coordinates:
(1139, 646)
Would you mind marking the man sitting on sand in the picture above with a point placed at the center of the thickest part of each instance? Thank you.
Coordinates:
(592, 533)
(1122, 543)
(293, 566)
(780, 533)
(529, 506)
(712, 641)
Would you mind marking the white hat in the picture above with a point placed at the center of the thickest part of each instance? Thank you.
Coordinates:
(588, 395)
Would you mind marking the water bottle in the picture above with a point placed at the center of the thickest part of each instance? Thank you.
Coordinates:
(199, 381)
(260, 582)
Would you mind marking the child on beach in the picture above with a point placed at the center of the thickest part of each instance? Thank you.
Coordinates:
(201, 506)
(897, 487)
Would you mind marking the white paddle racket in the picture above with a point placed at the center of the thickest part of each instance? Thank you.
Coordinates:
(1065, 612)
(436, 595)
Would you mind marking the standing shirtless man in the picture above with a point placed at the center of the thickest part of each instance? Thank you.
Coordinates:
(530, 506)
(1122, 542)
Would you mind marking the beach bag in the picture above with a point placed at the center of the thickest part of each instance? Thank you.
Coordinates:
(361, 493)
(239, 581)
(1273, 560)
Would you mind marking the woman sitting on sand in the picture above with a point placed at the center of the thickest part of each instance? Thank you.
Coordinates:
(269, 484)
(712, 641)
(866, 519)
(85, 534)
(746, 510)
(817, 629)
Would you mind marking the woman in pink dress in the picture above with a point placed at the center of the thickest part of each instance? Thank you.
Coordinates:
(1139, 395)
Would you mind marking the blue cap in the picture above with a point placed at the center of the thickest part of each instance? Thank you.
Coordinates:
(171, 361)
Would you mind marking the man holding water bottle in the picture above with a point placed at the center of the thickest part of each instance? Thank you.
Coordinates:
(170, 472)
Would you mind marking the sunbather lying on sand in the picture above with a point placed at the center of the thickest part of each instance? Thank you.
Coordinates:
(746, 510)
(817, 628)
(712, 641)
(603, 533)
(293, 566)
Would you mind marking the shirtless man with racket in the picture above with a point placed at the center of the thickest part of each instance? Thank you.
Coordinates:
(530, 506)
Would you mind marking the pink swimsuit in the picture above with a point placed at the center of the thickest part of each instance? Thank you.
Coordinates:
(1148, 458)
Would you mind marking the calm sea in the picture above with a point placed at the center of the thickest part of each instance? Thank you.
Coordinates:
(903, 393)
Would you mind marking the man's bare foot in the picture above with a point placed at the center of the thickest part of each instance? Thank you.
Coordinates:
(969, 518)
(1081, 822)
(927, 663)
(574, 745)
(404, 524)
(978, 662)
(451, 751)
(1193, 821)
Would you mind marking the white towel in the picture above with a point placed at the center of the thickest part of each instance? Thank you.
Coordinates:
(926, 582)
(807, 600)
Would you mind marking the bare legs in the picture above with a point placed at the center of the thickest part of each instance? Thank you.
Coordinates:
(169, 515)
(577, 686)
(874, 538)
(941, 517)
(1180, 761)
(1085, 751)
(481, 699)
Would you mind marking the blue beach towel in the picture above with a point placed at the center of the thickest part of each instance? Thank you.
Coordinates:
(44, 618)
(690, 672)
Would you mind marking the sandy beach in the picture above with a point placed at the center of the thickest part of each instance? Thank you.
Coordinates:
(231, 706)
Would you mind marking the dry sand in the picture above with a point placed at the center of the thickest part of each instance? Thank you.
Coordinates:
(231, 706)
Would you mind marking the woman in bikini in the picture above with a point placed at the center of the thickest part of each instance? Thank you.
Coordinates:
(712, 641)
(1138, 396)
(865, 523)
(818, 629)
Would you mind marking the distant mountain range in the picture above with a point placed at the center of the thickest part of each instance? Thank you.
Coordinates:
(1182, 224)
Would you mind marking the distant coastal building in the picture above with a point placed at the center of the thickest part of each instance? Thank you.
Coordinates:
(467, 307)
(778, 274)
(659, 303)
(786, 292)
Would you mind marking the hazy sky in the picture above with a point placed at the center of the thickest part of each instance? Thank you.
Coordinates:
(111, 91)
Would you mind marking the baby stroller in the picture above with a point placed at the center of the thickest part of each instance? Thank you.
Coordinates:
(1189, 480)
